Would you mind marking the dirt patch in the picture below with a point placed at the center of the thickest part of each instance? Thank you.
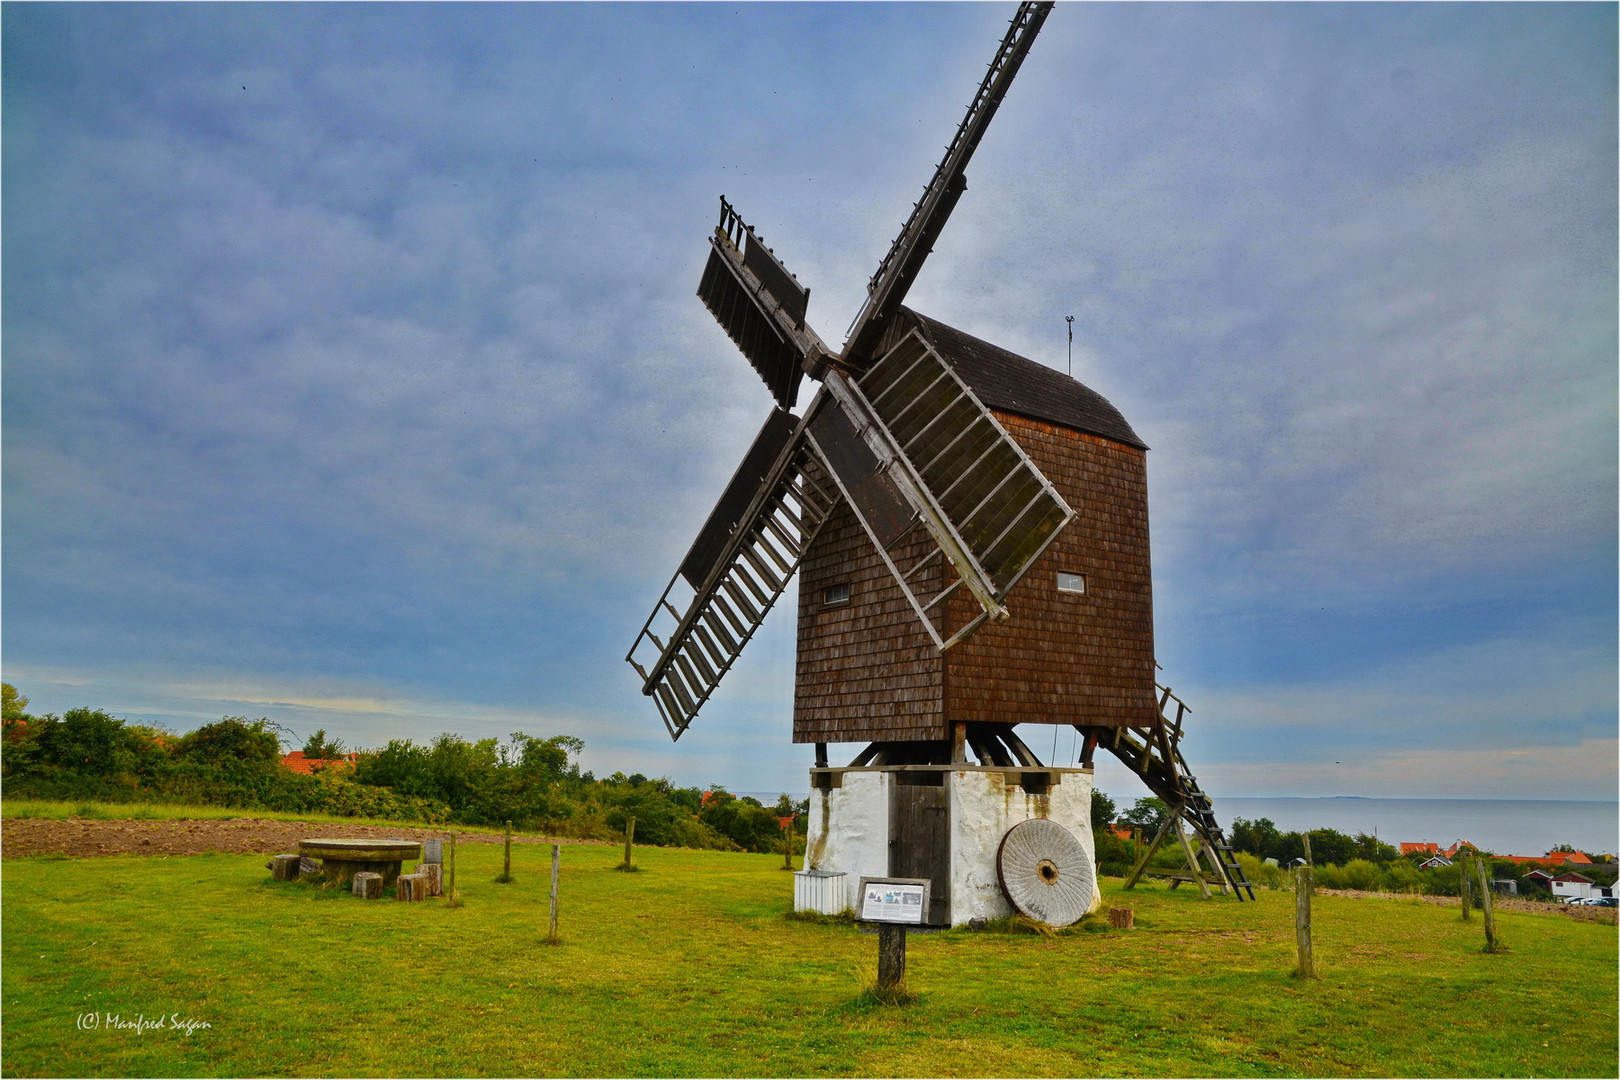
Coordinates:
(239, 836)
(1500, 903)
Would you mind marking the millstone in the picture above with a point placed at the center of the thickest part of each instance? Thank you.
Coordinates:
(1045, 873)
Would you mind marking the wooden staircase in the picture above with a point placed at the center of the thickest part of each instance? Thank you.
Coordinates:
(1153, 752)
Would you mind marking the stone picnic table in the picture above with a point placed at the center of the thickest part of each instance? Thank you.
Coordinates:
(342, 859)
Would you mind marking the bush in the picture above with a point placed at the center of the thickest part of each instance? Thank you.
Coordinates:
(1260, 873)
(1363, 874)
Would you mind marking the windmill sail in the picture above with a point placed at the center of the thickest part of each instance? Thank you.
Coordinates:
(894, 275)
(759, 304)
(721, 593)
(939, 452)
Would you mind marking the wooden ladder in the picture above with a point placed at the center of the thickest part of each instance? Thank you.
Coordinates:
(1153, 752)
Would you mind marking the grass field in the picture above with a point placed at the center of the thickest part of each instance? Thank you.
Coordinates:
(691, 967)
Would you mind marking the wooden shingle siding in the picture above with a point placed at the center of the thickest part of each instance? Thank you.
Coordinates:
(867, 671)
(1062, 658)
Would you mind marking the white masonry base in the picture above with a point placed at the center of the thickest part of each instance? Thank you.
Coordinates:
(849, 829)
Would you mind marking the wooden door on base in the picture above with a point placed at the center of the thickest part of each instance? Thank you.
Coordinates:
(920, 838)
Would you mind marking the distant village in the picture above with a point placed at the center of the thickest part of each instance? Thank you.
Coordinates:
(1553, 871)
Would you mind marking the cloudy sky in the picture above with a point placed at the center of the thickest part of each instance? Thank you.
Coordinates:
(353, 374)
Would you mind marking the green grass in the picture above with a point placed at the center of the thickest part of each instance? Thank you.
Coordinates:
(691, 967)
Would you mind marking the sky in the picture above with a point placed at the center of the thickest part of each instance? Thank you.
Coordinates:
(353, 374)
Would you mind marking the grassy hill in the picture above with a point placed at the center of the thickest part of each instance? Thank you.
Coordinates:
(691, 967)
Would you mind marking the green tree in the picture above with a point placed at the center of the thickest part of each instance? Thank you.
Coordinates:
(19, 735)
(233, 743)
(1148, 814)
(13, 706)
(1102, 809)
(88, 742)
(319, 748)
(1259, 837)
(1373, 849)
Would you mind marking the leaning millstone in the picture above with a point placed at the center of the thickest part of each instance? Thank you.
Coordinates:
(368, 886)
(284, 867)
(434, 874)
(433, 852)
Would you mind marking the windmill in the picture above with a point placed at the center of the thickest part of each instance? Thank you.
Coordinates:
(934, 484)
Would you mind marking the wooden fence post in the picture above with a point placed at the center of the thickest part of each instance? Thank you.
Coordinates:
(452, 894)
(506, 866)
(629, 838)
(891, 955)
(1462, 884)
(1302, 921)
(787, 845)
(1486, 906)
(556, 858)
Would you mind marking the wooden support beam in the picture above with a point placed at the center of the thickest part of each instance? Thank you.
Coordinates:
(1141, 863)
(1208, 851)
(1192, 860)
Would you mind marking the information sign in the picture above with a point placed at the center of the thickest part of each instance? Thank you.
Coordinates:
(894, 900)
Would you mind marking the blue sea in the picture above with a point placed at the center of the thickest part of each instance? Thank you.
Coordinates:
(1503, 826)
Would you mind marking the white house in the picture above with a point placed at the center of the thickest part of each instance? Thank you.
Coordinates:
(1570, 885)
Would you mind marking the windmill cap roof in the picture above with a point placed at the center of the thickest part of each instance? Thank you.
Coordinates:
(1012, 383)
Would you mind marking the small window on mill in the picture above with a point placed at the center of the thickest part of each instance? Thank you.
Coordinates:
(833, 595)
(1072, 583)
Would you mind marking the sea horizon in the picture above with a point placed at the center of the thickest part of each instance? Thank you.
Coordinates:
(1500, 826)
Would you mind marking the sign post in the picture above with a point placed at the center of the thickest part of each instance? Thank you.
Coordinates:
(894, 904)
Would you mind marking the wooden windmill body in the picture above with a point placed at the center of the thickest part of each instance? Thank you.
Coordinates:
(971, 529)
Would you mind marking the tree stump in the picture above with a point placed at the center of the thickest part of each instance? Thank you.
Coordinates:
(1121, 918)
(411, 887)
(434, 873)
(368, 886)
(284, 867)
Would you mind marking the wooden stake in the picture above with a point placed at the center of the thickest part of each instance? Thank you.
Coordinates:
(891, 955)
(1487, 906)
(506, 869)
(556, 858)
(787, 847)
(452, 865)
(1303, 883)
(629, 838)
